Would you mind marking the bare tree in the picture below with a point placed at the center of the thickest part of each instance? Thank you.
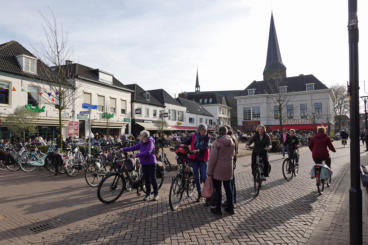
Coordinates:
(341, 103)
(21, 122)
(279, 97)
(55, 52)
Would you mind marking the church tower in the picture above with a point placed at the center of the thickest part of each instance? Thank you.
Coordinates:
(274, 69)
(197, 87)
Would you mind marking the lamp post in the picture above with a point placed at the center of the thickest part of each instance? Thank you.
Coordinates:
(355, 192)
(365, 100)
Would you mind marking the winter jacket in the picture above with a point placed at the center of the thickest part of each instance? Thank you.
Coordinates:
(220, 165)
(318, 145)
(292, 142)
(201, 143)
(146, 153)
(260, 145)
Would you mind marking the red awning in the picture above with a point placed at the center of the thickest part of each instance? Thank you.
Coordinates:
(184, 128)
(297, 126)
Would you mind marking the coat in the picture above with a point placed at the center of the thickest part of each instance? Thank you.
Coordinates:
(318, 145)
(146, 153)
(260, 145)
(220, 165)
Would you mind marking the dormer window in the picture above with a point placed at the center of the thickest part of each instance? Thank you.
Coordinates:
(147, 95)
(27, 63)
(251, 91)
(105, 77)
(283, 89)
(309, 86)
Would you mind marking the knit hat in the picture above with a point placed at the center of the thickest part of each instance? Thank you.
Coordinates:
(202, 126)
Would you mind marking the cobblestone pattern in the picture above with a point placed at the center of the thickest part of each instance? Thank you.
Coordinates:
(283, 213)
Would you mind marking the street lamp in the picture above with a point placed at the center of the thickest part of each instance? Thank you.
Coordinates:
(365, 100)
(355, 192)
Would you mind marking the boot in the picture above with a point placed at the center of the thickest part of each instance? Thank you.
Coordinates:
(199, 197)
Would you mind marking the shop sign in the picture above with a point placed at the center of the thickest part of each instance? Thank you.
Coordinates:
(88, 106)
(297, 121)
(73, 129)
(126, 119)
(82, 117)
(178, 123)
(107, 115)
(36, 108)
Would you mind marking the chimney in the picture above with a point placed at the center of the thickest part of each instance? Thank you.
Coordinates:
(68, 62)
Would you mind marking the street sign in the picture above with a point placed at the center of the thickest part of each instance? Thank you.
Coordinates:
(165, 114)
(82, 117)
(126, 119)
(84, 112)
(88, 106)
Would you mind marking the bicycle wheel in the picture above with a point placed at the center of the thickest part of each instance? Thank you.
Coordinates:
(257, 183)
(191, 186)
(2, 165)
(166, 162)
(287, 169)
(320, 186)
(70, 169)
(110, 188)
(14, 166)
(93, 175)
(23, 162)
(176, 192)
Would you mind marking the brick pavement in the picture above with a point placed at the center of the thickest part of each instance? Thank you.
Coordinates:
(68, 210)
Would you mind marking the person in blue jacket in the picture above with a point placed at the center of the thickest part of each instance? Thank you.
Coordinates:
(147, 158)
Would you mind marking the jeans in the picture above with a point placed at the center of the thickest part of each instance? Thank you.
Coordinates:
(228, 191)
(200, 173)
(283, 150)
(233, 188)
(149, 175)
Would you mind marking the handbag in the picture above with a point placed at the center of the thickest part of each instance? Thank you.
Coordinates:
(207, 188)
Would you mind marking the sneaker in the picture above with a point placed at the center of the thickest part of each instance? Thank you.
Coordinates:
(147, 198)
(230, 211)
(208, 202)
(216, 211)
(155, 198)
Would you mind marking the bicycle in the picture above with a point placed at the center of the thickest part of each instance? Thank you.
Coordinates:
(290, 167)
(162, 157)
(258, 172)
(184, 181)
(115, 182)
(322, 174)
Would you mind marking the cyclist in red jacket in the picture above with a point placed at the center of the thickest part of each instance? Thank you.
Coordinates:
(319, 144)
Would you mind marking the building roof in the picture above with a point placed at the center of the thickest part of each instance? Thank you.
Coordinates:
(273, 61)
(139, 96)
(91, 74)
(9, 62)
(294, 84)
(218, 97)
(164, 97)
(194, 107)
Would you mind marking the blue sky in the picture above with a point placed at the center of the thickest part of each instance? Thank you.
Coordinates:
(160, 43)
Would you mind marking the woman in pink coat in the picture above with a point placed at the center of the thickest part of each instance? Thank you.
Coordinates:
(220, 169)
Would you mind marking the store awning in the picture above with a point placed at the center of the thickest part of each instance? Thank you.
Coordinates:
(148, 126)
(186, 128)
(104, 124)
(297, 126)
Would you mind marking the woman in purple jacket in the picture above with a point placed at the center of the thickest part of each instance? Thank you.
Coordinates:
(147, 158)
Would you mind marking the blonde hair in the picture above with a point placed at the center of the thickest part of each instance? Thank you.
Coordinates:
(292, 130)
(261, 126)
(321, 129)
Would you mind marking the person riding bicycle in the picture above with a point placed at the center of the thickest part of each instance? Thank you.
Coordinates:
(261, 142)
(319, 144)
(344, 135)
(292, 143)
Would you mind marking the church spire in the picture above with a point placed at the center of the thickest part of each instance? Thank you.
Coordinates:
(197, 87)
(274, 69)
